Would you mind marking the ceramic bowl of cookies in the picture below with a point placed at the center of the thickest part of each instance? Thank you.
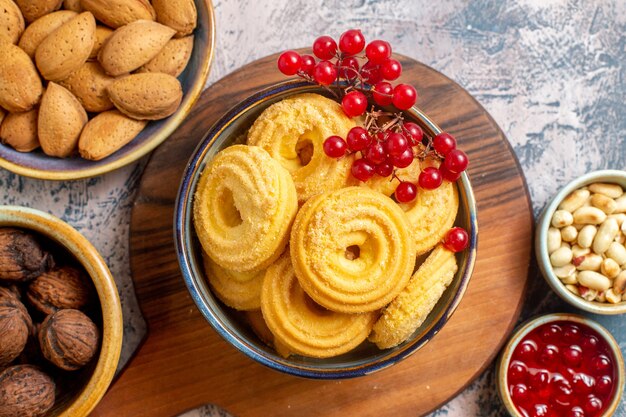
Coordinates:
(580, 242)
(130, 80)
(298, 264)
(61, 323)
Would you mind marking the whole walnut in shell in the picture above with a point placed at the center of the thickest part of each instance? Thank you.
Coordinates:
(21, 256)
(15, 326)
(68, 339)
(25, 391)
(59, 288)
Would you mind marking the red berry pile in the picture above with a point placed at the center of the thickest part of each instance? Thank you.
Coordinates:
(561, 369)
(359, 75)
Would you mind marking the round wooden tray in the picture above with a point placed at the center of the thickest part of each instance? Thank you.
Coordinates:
(184, 363)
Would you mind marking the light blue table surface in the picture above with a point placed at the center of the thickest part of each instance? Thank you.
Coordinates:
(552, 73)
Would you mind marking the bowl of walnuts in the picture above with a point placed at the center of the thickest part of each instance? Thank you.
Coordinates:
(60, 318)
(89, 86)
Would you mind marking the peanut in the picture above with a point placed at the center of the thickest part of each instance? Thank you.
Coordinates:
(611, 297)
(574, 201)
(617, 252)
(620, 204)
(562, 218)
(600, 297)
(619, 283)
(620, 217)
(561, 257)
(564, 271)
(594, 280)
(609, 190)
(570, 279)
(587, 293)
(569, 233)
(609, 268)
(590, 262)
(606, 233)
(572, 288)
(604, 203)
(554, 239)
(589, 215)
(578, 251)
(586, 235)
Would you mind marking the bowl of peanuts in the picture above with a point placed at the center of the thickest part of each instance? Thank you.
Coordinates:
(580, 242)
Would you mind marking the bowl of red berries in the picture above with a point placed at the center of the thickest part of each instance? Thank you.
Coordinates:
(561, 365)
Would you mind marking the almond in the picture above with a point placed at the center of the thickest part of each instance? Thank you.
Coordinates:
(39, 30)
(133, 45)
(148, 96)
(19, 130)
(88, 84)
(106, 133)
(61, 119)
(173, 58)
(177, 14)
(102, 34)
(73, 5)
(67, 48)
(117, 13)
(34, 9)
(11, 21)
(20, 85)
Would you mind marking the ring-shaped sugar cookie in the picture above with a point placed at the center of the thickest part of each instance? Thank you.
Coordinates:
(411, 307)
(300, 325)
(431, 215)
(352, 249)
(244, 206)
(293, 131)
(239, 290)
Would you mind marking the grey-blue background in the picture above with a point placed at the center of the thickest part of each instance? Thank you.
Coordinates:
(551, 72)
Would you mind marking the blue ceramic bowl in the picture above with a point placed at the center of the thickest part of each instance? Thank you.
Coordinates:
(36, 164)
(366, 358)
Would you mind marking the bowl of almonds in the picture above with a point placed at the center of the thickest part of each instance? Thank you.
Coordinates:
(580, 242)
(88, 86)
(61, 324)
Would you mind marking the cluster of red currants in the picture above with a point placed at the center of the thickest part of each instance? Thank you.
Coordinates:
(342, 63)
(386, 142)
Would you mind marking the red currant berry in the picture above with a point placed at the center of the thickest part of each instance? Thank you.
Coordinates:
(376, 153)
(335, 147)
(414, 132)
(390, 69)
(604, 385)
(449, 175)
(518, 372)
(358, 139)
(371, 73)
(456, 240)
(289, 62)
(583, 384)
(540, 410)
(378, 51)
(349, 68)
(550, 333)
(354, 103)
(549, 354)
(403, 160)
(404, 96)
(576, 412)
(308, 65)
(456, 161)
(405, 192)
(363, 170)
(382, 93)
(571, 333)
(444, 143)
(592, 406)
(430, 178)
(600, 364)
(573, 355)
(324, 47)
(351, 42)
(527, 350)
(325, 73)
(396, 143)
(590, 343)
(384, 169)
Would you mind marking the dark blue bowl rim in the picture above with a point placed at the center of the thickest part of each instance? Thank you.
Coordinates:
(182, 212)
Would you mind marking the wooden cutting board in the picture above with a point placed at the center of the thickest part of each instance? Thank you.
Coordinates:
(183, 363)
